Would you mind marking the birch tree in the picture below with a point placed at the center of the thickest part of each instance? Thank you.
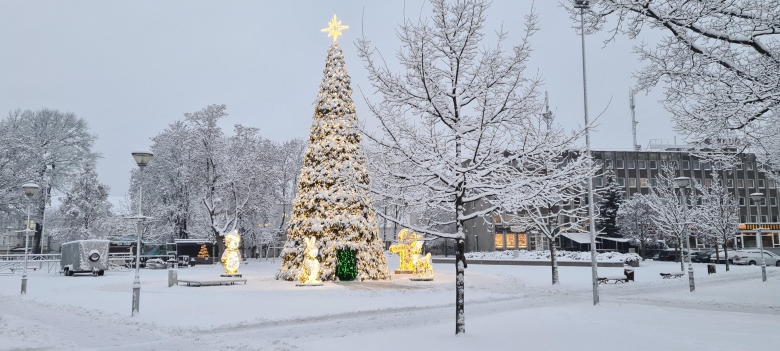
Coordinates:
(635, 221)
(719, 214)
(456, 124)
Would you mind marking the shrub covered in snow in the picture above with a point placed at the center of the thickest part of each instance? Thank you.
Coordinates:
(525, 255)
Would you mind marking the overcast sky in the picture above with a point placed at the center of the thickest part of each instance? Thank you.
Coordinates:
(132, 67)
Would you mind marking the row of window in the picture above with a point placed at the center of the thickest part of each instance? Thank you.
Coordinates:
(652, 164)
(743, 219)
(653, 182)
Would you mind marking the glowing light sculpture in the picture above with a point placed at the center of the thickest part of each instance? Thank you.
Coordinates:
(332, 205)
(406, 248)
(231, 258)
(309, 274)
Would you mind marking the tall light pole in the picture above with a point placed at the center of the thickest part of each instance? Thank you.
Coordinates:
(30, 189)
(757, 197)
(584, 5)
(142, 158)
(683, 183)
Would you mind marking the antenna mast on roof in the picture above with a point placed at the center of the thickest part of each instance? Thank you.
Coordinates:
(547, 113)
(633, 118)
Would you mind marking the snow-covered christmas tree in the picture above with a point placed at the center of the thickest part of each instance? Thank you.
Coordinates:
(332, 204)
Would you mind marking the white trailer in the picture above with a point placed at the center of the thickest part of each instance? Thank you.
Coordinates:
(84, 256)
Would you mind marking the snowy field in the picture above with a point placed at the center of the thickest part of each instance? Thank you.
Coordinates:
(507, 308)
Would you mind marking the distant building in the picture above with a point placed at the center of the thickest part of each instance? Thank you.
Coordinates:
(636, 172)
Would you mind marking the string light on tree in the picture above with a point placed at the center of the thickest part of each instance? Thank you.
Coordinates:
(332, 208)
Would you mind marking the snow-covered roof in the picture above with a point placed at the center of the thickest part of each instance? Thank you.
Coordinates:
(620, 240)
(581, 238)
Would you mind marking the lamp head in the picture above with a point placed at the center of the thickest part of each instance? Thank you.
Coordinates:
(757, 197)
(682, 182)
(142, 158)
(581, 4)
(30, 189)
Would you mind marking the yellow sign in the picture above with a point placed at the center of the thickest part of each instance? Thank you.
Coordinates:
(334, 28)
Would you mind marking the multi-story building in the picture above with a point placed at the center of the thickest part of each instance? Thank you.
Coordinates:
(636, 172)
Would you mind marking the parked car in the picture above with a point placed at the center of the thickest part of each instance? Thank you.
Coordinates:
(722, 256)
(753, 257)
(156, 263)
(672, 255)
(702, 256)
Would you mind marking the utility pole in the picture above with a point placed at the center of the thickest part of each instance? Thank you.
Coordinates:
(633, 118)
(547, 113)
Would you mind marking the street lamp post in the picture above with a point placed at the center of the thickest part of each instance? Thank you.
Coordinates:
(584, 5)
(757, 197)
(683, 183)
(30, 189)
(142, 158)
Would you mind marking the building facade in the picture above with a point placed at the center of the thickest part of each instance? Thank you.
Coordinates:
(636, 172)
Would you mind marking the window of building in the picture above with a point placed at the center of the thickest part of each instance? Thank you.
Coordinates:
(643, 182)
(653, 182)
(653, 164)
(686, 164)
(739, 166)
(522, 242)
(621, 181)
(771, 183)
(608, 164)
(510, 240)
(761, 183)
(499, 241)
(753, 219)
(708, 182)
(740, 183)
(774, 220)
(773, 201)
(742, 201)
(751, 184)
(632, 182)
(742, 219)
(749, 165)
(697, 181)
(763, 218)
(696, 165)
(597, 182)
(641, 164)
(630, 164)
(705, 165)
(619, 164)
(730, 183)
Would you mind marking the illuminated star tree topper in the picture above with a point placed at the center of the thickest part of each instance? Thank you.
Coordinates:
(334, 28)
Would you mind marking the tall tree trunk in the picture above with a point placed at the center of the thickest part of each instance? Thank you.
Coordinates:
(553, 263)
(642, 247)
(726, 255)
(460, 266)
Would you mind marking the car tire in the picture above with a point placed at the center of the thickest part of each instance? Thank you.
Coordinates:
(68, 272)
(777, 264)
(101, 272)
(752, 263)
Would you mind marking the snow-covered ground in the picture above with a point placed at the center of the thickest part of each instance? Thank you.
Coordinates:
(507, 308)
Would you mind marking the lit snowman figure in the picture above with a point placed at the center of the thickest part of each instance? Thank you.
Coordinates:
(231, 258)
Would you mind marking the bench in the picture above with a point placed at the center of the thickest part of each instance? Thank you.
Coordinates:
(628, 275)
(672, 275)
(211, 282)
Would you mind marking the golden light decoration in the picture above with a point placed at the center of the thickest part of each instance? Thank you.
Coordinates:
(406, 248)
(334, 28)
(231, 258)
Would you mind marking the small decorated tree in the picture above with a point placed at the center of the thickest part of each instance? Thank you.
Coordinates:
(204, 253)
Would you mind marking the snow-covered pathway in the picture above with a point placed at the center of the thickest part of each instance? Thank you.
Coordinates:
(507, 308)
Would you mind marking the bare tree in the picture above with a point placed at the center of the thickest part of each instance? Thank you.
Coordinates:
(719, 214)
(719, 63)
(458, 124)
(670, 217)
(635, 220)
